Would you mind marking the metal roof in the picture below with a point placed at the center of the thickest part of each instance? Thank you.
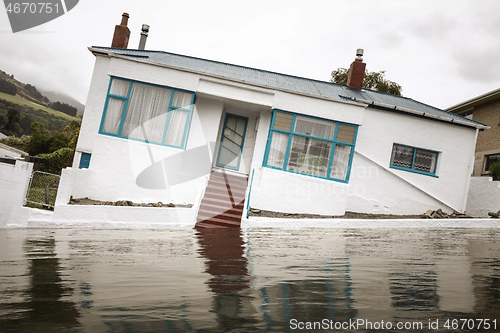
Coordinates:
(290, 83)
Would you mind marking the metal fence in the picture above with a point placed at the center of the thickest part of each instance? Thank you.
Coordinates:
(42, 190)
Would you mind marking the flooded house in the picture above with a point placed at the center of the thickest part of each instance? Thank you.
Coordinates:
(216, 139)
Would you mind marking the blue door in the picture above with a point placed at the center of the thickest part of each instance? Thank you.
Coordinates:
(232, 141)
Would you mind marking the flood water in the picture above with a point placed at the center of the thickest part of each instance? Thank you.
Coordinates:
(255, 280)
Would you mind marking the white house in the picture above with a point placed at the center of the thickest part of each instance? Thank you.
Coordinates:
(158, 124)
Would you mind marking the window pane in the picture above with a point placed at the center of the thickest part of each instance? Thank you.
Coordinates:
(340, 163)
(402, 156)
(491, 159)
(315, 127)
(176, 126)
(229, 153)
(182, 99)
(277, 151)
(283, 121)
(236, 125)
(119, 87)
(146, 112)
(346, 133)
(310, 156)
(425, 161)
(113, 116)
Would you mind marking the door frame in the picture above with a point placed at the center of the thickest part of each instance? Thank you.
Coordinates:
(226, 116)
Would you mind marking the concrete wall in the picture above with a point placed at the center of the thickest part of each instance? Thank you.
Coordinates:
(14, 181)
(484, 197)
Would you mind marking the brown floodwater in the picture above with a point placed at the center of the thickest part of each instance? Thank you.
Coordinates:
(252, 280)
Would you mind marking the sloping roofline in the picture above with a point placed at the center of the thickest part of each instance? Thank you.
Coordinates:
(289, 83)
(476, 101)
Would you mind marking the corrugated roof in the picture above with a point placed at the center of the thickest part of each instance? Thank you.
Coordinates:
(291, 83)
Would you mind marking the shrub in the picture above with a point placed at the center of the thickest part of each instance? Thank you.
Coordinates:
(495, 170)
(54, 162)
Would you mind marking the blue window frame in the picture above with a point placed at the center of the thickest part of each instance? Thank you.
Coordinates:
(419, 160)
(147, 112)
(85, 161)
(310, 146)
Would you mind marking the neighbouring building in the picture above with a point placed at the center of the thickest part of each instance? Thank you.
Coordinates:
(11, 152)
(160, 126)
(485, 109)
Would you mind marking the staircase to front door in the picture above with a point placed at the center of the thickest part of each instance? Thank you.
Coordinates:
(223, 203)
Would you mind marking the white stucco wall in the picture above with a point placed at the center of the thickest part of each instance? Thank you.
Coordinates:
(14, 181)
(484, 197)
(122, 169)
(375, 187)
(287, 192)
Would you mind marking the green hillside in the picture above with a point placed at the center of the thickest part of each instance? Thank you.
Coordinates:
(36, 106)
(22, 104)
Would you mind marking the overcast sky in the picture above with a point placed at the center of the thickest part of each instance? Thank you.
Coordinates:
(442, 52)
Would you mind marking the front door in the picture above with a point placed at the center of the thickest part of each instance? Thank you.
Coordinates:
(231, 142)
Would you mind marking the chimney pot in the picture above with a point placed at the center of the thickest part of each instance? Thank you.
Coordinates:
(357, 72)
(122, 33)
(125, 18)
(144, 36)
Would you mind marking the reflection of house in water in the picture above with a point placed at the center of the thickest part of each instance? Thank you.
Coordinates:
(485, 266)
(223, 250)
(47, 305)
(414, 286)
(410, 270)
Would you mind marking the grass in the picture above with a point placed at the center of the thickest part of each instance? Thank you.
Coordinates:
(37, 195)
(22, 101)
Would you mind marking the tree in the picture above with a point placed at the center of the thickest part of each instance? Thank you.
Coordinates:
(373, 80)
(12, 120)
(8, 87)
(40, 140)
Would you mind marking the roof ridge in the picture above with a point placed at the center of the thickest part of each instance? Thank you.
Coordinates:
(285, 81)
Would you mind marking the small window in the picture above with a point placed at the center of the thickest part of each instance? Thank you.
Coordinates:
(490, 159)
(85, 160)
(414, 159)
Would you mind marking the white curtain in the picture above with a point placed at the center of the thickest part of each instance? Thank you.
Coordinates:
(277, 151)
(309, 156)
(176, 126)
(182, 99)
(315, 127)
(340, 162)
(147, 112)
(402, 156)
(425, 161)
(113, 116)
(119, 87)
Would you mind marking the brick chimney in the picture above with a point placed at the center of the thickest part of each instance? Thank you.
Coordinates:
(356, 72)
(122, 34)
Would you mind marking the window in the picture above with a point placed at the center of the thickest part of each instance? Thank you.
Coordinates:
(147, 112)
(414, 159)
(84, 161)
(490, 159)
(311, 146)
